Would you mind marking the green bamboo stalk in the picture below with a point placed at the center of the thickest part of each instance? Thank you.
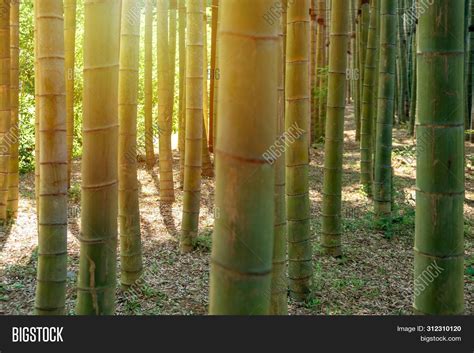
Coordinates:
(194, 124)
(13, 169)
(241, 261)
(334, 142)
(165, 110)
(364, 33)
(313, 69)
(300, 268)
(402, 65)
(99, 201)
(172, 31)
(439, 233)
(413, 102)
(386, 111)
(322, 40)
(279, 296)
(129, 210)
(366, 147)
(70, 48)
(5, 109)
(52, 236)
(148, 82)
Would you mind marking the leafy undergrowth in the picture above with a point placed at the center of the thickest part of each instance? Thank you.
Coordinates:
(374, 276)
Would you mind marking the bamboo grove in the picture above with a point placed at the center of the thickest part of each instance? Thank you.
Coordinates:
(250, 88)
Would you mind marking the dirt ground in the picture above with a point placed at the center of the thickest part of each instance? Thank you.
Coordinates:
(375, 276)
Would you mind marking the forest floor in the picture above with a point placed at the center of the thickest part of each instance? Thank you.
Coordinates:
(375, 276)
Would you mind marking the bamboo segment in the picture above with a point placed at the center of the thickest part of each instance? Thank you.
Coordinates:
(5, 112)
(52, 239)
(241, 261)
(321, 64)
(70, 48)
(182, 88)
(402, 65)
(149, 148)
(413, 89)
(129, 209)
(13, 175)
(194, 124)
(37, 143)
(334, 142)
(297, 156)
(313, 68)
(439, 233)
(165, 111)
(213, 83)
(386, 111)
(279, 297)
(207, 167)
(172, 51)
(366, 147)
(99, 202)
(364, 33)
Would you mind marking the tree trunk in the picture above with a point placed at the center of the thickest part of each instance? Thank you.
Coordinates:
(439, 226)
(241, 262)
(99, 202)
(334, 142)
(13, 176)
(149, 140)
(300, 268)
(194, 125)
(52, 237)
(165, 111)
(70, 49)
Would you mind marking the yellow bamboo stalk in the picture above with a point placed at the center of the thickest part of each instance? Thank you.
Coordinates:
(97, 264)
(5, 114)
(52, 242)
(13, 177)
(207, 168)
(149, 148)
(165, 112)
(129, 210)
(70, 48)
(194, 126)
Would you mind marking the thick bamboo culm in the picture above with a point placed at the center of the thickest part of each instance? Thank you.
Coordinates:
(300, 267)
(37, 143)
(279, 294)
(320, 64)
(334, 142)
(165, 110)
(194, 124)
(386, 111)
(182, 89)
(313, 68)
(439, 223)
(366, 146)
(13, 169)
(52, 227)
(207, 167)
(212, 93)
(241, 260)
(99, 198)
(148, 82)
(5, 113)
(129, 209)
(70, 72)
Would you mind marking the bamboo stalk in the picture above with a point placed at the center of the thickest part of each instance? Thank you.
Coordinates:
(52, 237)
(241, 260)
(99, 199)
(149, 139)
